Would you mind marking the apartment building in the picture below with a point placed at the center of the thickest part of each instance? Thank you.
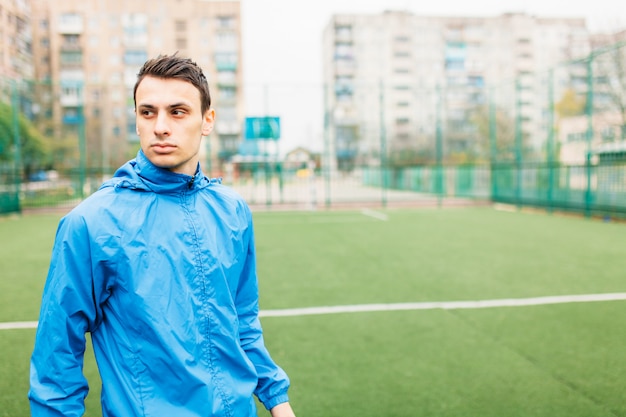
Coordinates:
(601, 131)
(405, 79)
(87, 54)
(15, 39)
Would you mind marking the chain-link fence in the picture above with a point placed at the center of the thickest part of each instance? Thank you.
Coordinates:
(554, 139)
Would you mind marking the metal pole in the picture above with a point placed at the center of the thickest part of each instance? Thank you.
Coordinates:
(82, 148)
(550, 148)
(327, 167)
(17, 145)
(518, 142)
(383, 146)
(589, 134)
(439, 148)
(492, 142)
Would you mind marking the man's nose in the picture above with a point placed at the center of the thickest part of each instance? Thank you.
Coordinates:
(162, 126)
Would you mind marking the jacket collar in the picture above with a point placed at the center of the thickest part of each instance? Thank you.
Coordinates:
(140, 173)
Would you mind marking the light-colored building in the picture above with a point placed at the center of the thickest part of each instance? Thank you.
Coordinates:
(88, 52)
(425, 76)
(581, 135)
(15, 40)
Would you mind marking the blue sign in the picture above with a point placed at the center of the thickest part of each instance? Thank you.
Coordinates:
(262, 128)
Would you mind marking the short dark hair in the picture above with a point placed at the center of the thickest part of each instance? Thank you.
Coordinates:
(173, 66)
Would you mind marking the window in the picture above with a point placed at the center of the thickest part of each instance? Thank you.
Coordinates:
(135, 57)
(402, 121)
(343, 31)
(344, 87)
(227, 41)
(225, 21)
(70, 19)
(181, 43)
(227, 92)
(228, 114)
(71, 57)
(180, 25)
(71, 40)
(343, 50)
(226, 61)
(608, 134)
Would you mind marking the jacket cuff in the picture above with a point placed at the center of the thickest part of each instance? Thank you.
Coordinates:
(274, 401)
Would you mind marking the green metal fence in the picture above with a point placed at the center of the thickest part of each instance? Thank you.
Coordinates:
(554, 139)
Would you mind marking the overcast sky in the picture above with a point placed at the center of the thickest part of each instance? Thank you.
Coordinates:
(282, 48)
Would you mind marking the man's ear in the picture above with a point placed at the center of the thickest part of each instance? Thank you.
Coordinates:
(208, 122)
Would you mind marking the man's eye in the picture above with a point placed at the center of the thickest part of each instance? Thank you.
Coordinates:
(146, 112)
(178, 112)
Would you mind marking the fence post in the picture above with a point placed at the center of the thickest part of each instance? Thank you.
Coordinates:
(17, 144)
(439, 147)
(589, 133)
(327, 167)
(518, 142)
(16, 131)
(492, 141)
(550, 146)
(82, 149)
(383, 147)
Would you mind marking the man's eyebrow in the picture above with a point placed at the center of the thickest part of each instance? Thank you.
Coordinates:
(170, 106)
(181, 104)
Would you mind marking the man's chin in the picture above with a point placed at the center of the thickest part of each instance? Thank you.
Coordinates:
(165, 161)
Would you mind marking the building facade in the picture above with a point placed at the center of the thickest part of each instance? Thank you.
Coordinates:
(87, 54)
(15, 39)
(400, 84)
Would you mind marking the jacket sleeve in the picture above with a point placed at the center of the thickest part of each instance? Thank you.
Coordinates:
(273, 382)
(57, 384)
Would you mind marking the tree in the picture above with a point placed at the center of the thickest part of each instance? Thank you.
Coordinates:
(504, 132)
(570, 104)
(610, 77)
(34, 149)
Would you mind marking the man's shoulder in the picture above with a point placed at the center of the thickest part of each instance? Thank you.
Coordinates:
(222, 191)
(94, 204)
(227, 196)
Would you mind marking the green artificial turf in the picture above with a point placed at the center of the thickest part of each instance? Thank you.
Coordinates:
(547, 360)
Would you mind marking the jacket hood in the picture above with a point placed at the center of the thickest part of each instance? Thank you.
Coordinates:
(141, 174)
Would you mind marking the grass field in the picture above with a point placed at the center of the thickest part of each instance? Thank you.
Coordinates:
(547, 360)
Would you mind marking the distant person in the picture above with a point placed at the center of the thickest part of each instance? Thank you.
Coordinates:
(159, 266)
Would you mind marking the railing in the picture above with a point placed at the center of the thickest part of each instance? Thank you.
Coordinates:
(598, 190)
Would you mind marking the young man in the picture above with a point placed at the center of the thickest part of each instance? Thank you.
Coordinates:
(159, 267)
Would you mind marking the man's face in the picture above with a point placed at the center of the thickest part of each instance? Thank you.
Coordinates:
(170, 123)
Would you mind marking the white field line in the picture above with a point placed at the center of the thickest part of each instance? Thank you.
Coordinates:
(443, 305)
(18, 325)
(375, 214)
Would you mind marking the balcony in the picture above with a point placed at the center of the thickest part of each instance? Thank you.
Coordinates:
(71, 24)
(227, 128)
(71, 119)
(70, 100)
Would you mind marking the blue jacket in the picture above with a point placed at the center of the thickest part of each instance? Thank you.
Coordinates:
(160, 268)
